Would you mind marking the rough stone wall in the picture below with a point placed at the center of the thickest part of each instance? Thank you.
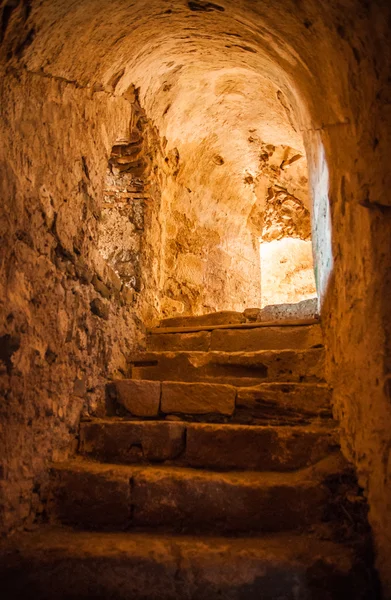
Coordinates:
(282, 215)
(212, 262)
(66, 317)
(356, 299)
(211, 257)
(129, 232)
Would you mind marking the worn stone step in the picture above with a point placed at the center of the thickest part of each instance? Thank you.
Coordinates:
(266, 402)
(297, 310)
(233, 368)
(201, 445)
(68, 565)
(100, 496)
(240, 325)
(198, 341)
(266, 338)
(300, 311)
(287, 448)
(223, 317)
(115, 440)
(284, 402)
(239, 340)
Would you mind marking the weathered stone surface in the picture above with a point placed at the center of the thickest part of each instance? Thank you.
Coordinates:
(127, 295)
(224, 317)
(305, 309)
(188, 499)
(257, 448)
(99, 308)
(179, 341)
(266, 338)
(132, 441)
(251, 314)
(90, 496)
(284, 402)
(140, 398)
(233, 368)
(285, 215)
(100, 287)
(197, 398)
(69, 565)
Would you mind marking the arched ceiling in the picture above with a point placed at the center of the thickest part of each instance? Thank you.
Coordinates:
(211, 74)
(293, 43)
(219, 80)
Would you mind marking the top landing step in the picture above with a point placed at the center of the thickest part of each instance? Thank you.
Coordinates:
(188, 327)
(245, 337)
(300, 313)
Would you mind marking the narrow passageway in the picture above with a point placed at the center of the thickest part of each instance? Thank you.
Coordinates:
(219, 458)
(194, 354)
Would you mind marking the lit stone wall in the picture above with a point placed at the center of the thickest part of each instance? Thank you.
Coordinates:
(287, 271)
(284, 214)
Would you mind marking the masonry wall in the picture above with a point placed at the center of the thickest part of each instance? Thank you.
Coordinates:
(67, 319)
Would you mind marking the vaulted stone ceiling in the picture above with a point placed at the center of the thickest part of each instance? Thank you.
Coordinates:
(219, 81)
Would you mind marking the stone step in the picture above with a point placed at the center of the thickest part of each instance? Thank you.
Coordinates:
(200, 445)
(233, 368)
(264, 403)
(240, 325)
(223, 317)
(283, 402)
(239, 340)
(300, 311)
(100, 496)
(68, 565)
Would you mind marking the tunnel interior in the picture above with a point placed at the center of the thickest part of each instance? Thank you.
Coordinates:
(180, 158)
(223, 150)
(229, 165)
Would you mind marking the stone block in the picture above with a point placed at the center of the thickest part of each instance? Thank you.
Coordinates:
(90, 496)
(306, 309)
(252, 314)
(257, 448)
(100, 287)
(193, 500)
(224, 317)
(100, 309)
(266, 338)
(240, 369)
(179, 341)
(197, 398)
(140, 398)
(132, 441)
(284, 401)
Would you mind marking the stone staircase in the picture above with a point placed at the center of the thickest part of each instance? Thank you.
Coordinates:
(216, 474)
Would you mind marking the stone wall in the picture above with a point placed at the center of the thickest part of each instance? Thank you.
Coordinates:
(66, 317)
(129, 232)
(283, 214)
